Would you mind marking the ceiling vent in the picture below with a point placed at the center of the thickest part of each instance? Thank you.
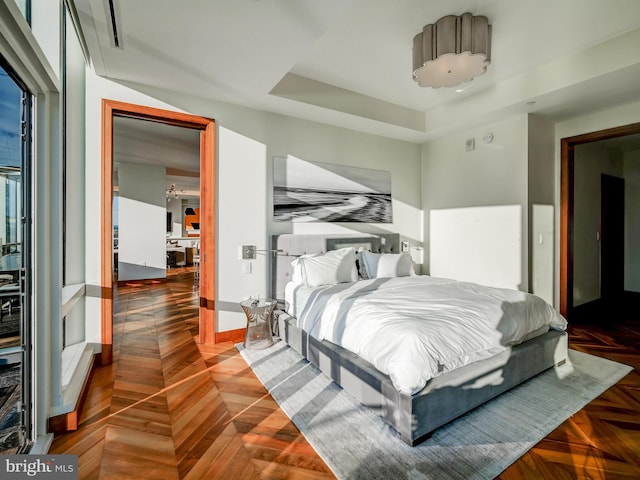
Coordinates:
(113, 21)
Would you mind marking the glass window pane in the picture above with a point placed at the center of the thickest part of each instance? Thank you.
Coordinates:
(10, 167)
(24, 6)
(11, 319)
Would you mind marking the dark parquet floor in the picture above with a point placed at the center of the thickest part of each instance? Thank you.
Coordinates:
(172, 409)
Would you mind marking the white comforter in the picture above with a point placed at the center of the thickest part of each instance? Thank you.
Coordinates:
(415, 328)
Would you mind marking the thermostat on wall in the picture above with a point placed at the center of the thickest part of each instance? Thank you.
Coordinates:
(488, 137)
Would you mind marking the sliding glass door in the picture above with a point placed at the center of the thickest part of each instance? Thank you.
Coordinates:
(15, 330)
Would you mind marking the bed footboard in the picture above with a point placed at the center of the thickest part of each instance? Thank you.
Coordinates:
(445, 397)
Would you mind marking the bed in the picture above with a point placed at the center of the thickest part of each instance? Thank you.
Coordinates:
(334, 316)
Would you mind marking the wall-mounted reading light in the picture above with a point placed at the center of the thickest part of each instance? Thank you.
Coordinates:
(248, 252)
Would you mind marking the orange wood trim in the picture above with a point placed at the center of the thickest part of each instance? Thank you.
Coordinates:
(169, 117)
(111, 108)
(567, 161)
(146, 281)
(106, 262)
(615, 132)
(235, 336)
(207, 315)
(67, 422)
(566, 219)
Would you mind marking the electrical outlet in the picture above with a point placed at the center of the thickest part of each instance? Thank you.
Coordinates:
(248, 252)
(405, 246)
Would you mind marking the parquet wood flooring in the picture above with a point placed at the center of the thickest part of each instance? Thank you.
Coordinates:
(601, 441)
(158, 411)
(169, 407)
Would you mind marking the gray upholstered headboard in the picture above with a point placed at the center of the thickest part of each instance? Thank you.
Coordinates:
(291, 246)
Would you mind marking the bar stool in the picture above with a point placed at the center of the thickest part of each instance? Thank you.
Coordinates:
(196, 270)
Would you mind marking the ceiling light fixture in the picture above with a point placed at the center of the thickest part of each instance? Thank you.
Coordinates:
(172, 190)
(452, 51)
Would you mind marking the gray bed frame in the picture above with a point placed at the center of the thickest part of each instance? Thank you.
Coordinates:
(445, 397)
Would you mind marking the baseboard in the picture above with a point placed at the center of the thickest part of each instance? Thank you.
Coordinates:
(235, 336)
(68, 421)
(146, 281)
(41, 444)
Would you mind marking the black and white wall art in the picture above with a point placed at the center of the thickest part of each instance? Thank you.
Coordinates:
(306, 191)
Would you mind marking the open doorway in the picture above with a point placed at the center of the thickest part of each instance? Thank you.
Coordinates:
(156, 197)
(117, 110)
(594, 168)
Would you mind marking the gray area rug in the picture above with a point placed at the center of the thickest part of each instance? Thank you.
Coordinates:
(356, 444)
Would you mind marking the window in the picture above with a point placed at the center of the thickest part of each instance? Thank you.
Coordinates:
(73, 151)
(15, 330)
(25, 8)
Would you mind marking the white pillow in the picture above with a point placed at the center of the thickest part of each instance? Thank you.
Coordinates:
(297, 277)
(335, 266)
(385, 265)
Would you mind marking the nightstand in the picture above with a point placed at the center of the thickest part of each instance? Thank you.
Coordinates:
(258, 312)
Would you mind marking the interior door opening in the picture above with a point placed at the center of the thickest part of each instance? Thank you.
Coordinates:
(206, 127)
(624, 138)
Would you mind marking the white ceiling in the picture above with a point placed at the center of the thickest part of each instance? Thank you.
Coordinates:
(348, 63)
(151, 143)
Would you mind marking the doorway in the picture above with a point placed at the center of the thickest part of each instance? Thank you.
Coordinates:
(612, 239)
(206, 126)
(567, 208)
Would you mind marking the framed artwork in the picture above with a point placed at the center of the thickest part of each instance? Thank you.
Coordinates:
(306, 191)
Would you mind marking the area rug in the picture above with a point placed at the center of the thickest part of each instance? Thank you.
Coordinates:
(356, 444)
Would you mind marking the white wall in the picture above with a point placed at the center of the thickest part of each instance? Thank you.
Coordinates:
(325, 144)
(74, 330)
(541, 164)
(591, 160)
(45, 25)
(464, 194)
(241, 219)
(247, 140)
(631, 166)
(174, 205)
(142, 251)
(477, 244)
(96, 89)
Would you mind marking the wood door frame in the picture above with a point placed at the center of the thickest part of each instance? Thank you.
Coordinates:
(207, 128)
(567, 161)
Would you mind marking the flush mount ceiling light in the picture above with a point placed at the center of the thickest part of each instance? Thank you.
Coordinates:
(452, 51)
